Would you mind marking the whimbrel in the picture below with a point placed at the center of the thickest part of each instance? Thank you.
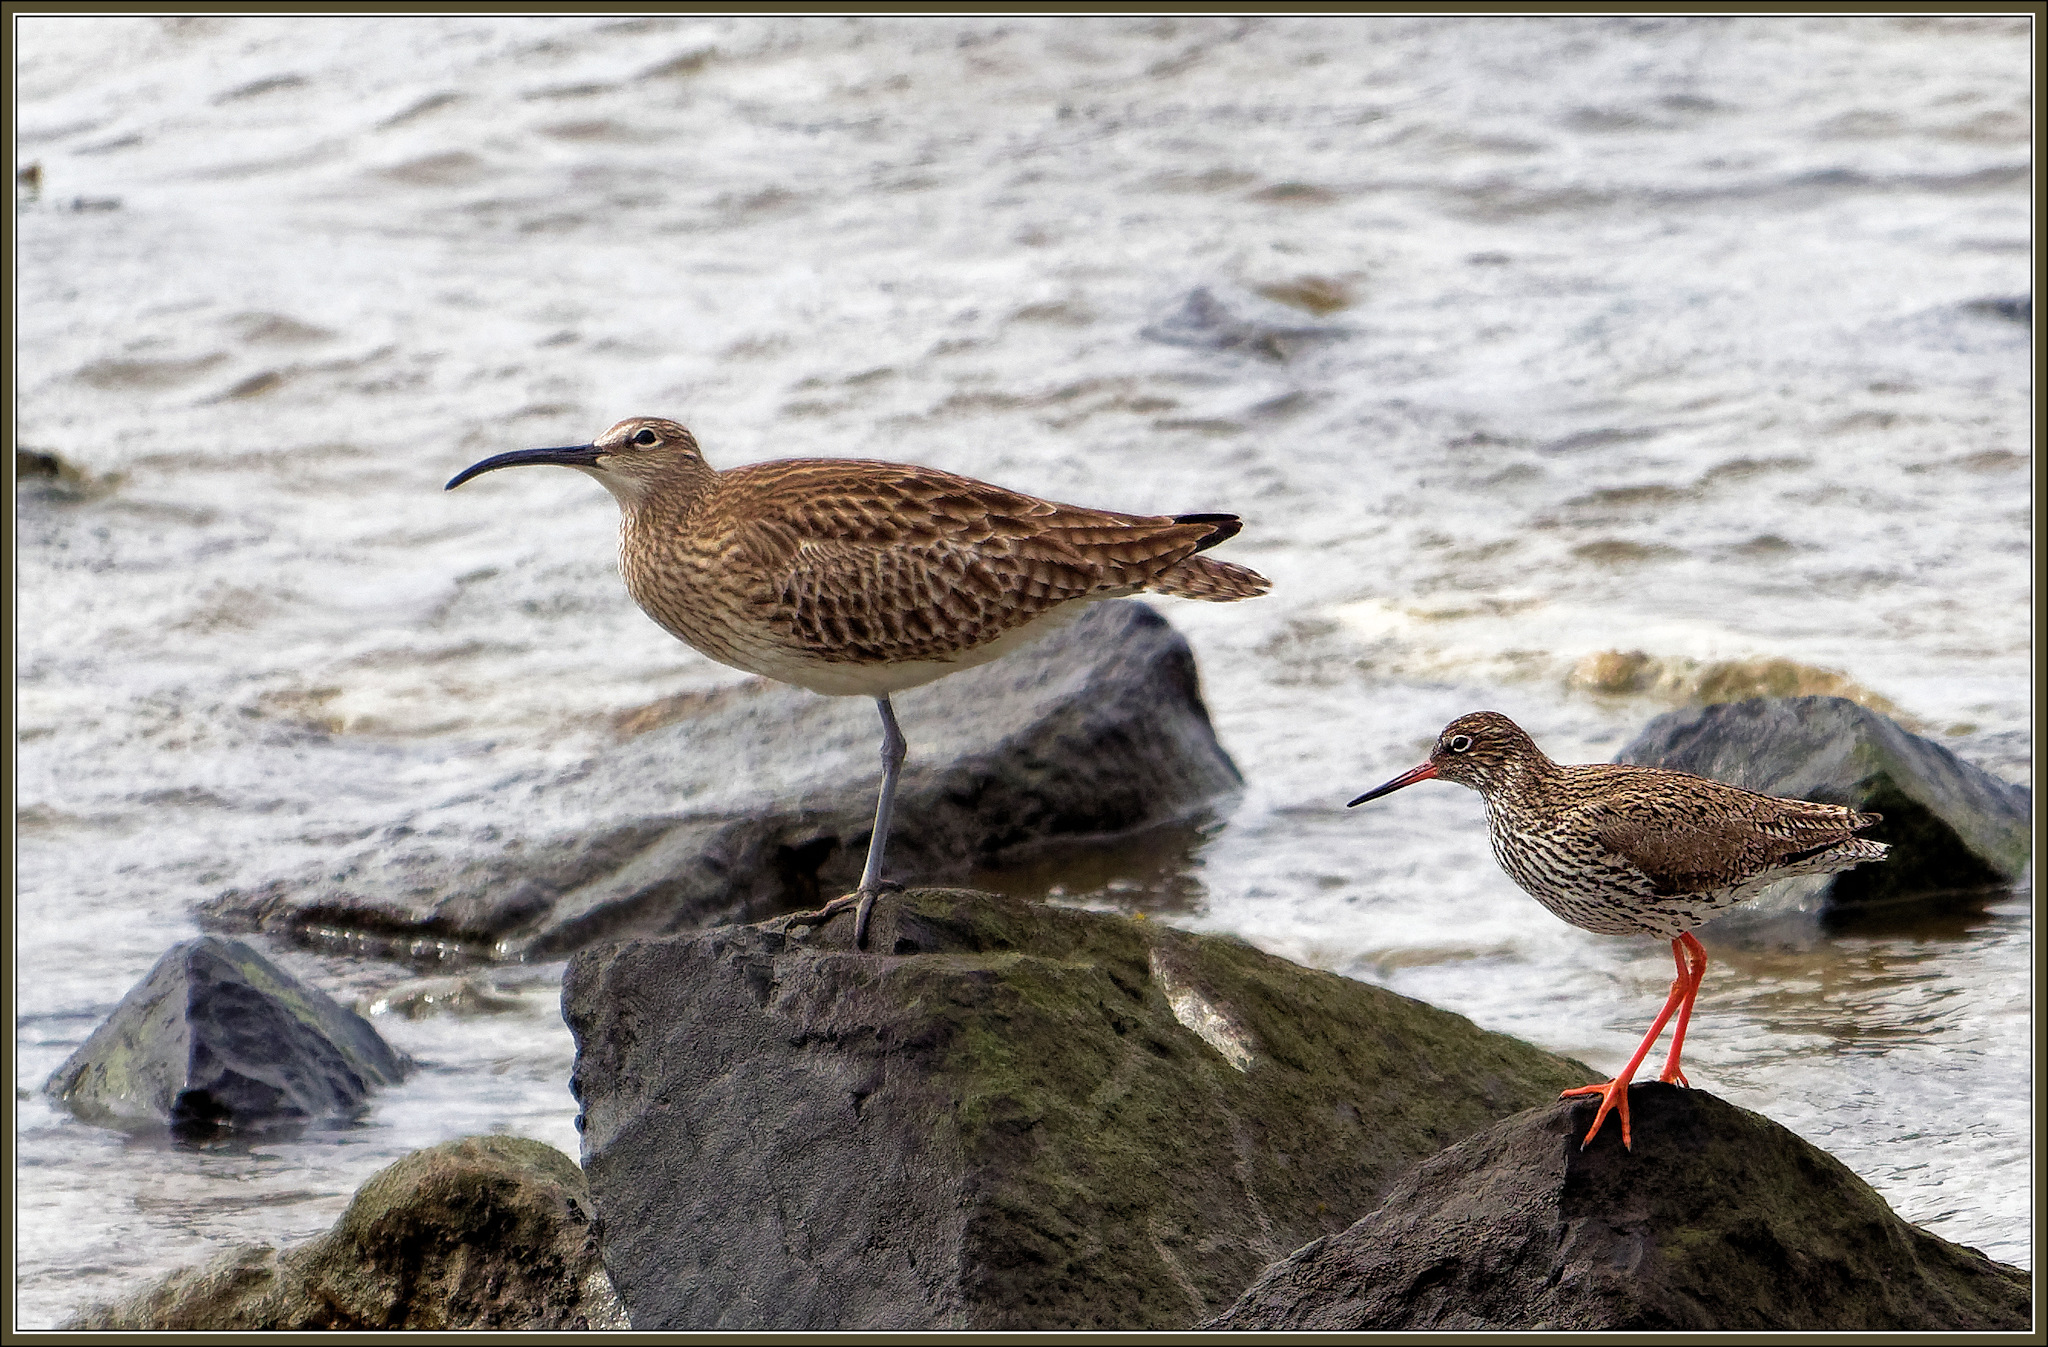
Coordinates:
(857, 578)
(1627, 850)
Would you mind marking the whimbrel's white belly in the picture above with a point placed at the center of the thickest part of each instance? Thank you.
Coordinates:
(740, 644)
(881, 680)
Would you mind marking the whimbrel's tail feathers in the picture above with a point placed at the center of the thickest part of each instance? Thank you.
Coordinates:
(1206, 578)
(1226, 527)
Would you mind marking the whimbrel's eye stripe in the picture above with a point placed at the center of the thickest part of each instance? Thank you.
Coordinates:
(646, 439)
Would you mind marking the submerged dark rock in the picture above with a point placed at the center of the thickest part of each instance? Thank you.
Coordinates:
(41, 473)
(1204, 321)
(1718, 1220)
(217, 1036)
(1953, 827)
(2014, 308)
(1003, 1116)
(760, 799)
(485, 1232)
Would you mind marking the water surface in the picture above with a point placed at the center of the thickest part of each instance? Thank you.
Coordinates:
(1523, 340)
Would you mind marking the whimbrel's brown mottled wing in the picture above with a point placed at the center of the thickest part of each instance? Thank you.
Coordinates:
(1712, 835)
(877, 562)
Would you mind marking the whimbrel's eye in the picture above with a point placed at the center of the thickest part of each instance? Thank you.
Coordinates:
(1459, 743)
(646, 438)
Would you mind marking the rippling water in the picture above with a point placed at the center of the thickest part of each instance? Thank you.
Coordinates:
(1521, 340)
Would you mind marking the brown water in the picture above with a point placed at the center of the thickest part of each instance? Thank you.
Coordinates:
(1698, 337)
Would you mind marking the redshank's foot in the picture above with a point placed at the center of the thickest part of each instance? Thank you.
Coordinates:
(1613, 1098)
(1671, 1075)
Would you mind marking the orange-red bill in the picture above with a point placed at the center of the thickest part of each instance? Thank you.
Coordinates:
(1426, 772)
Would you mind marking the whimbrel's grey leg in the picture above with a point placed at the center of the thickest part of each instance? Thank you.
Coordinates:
(894, 749)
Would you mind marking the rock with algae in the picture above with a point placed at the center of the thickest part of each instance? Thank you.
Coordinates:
(484, 1232)
(1693, 682)
(1003, 1115)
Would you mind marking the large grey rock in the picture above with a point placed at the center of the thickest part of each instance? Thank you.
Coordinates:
(1953, 827)
(1002, 1116)
(217, 1036)
(485, 1232)
(1719, 1219)
(760, 799)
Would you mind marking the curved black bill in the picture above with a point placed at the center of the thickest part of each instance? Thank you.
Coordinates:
(569, 456)
(1426, 772)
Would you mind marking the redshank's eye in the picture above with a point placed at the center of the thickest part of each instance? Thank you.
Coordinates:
(1459, 743)
(646, 438)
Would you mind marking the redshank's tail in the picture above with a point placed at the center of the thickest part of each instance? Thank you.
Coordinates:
(1834, 857)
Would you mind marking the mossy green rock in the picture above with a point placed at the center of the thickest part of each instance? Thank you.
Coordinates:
(485, 1232)
(1002, 1115)
(1717, 1220)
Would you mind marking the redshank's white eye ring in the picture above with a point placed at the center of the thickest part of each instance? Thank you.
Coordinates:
(1459, 743)
(646, 438)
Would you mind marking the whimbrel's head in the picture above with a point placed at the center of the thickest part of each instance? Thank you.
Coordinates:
(1483, 750)
(633, 458)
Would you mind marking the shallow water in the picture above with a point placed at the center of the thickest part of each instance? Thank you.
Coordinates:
(1698, 337)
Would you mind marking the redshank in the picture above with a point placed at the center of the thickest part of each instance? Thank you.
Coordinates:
(1626, 850)
(856, 578)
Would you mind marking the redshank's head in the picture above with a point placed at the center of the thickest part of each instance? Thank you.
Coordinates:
(631, 459)
(1483, 750)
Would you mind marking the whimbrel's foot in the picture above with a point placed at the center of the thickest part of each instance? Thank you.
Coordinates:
(867, 906)
(822, 915)
(1613, 1098)
(861, 900)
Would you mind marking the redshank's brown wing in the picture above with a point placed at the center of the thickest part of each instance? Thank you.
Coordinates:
(1710, 835)
(879, 562)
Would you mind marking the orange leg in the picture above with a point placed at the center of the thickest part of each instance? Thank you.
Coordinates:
(1614, 1094)
(1692, 968)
